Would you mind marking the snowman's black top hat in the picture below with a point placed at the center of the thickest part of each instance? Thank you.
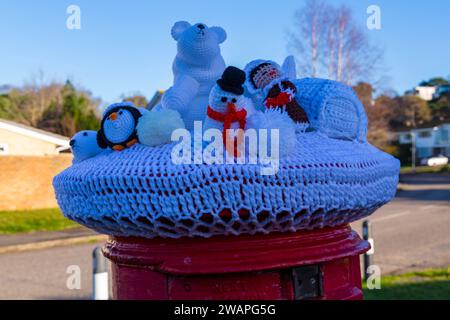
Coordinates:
(232, 80)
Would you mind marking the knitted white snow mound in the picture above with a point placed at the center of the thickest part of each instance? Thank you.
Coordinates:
(275, 119)
(156, 127)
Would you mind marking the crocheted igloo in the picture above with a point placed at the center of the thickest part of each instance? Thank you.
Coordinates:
(333, 108)
(140, 192)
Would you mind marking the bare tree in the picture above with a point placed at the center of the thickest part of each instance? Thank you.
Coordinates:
(53, 106)
(36, 96)
(328, 43)
(309, 35)
(137, 99)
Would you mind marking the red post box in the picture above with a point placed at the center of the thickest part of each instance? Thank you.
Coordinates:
(317, 264)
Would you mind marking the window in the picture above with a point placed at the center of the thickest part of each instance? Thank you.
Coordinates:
(4, 148)
(443, 137)
(405, 138)
(424, 134)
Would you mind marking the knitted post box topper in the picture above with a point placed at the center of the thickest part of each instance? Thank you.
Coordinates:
(331, 176)
(279, 91)
(226, 108)
(118, 127)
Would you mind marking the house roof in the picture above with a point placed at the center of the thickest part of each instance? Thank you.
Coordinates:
(34, 132)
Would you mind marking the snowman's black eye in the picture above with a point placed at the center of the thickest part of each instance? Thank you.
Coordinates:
(224, 99)
(85, 134)
(233, 100)
(120, 112)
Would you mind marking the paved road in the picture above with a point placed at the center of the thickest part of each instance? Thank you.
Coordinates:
(41, 274)
(412, 232)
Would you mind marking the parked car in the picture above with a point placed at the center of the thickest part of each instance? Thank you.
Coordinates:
(439, 160)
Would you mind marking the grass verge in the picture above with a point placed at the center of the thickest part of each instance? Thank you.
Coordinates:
(33, 220)
(433, 284)
(426, 169)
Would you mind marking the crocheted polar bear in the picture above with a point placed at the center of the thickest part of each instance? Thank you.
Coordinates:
(197, 66)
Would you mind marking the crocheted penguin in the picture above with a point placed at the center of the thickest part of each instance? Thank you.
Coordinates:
(118, 126)
(278, 90)
(84, 145)
(227, 104)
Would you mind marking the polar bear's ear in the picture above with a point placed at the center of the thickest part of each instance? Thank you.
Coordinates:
(221, 33)
(178, 28)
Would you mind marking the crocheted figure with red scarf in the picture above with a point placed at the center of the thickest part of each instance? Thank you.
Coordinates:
(279, 90)
(227, 106)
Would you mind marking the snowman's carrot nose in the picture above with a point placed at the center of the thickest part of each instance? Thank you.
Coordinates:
(231, 107)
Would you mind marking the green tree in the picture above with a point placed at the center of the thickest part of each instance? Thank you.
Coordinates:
(55, 107)
(6, 110)
(437, 81)
(440, 108)
(75, 112)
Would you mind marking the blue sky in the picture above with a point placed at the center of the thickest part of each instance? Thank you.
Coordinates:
(125, 46)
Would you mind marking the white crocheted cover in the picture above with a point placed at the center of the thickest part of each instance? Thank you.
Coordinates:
(139, 192)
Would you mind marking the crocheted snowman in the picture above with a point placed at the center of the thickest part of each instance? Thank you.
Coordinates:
(227, 104)
(197, 65)
(267, 78)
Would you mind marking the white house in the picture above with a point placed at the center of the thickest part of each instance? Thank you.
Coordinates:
(429, 93)
(20, 140)
(430, 141)
(424, 92)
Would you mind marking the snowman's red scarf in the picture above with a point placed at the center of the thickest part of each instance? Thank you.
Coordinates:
(228, 118)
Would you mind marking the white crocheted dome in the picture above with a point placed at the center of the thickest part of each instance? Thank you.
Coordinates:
(139, 192)
(333, 108)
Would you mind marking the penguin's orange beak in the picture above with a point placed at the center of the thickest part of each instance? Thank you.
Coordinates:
(113, 116)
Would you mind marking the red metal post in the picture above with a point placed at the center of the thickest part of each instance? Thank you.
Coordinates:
(238, 267)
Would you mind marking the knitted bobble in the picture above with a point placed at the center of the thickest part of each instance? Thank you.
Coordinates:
(155, 128)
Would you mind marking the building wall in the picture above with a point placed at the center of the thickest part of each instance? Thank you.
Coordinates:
(426, 93)
(423, 152)
(20, 145)
(26, 182)
(429, 141)
(425, 138)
